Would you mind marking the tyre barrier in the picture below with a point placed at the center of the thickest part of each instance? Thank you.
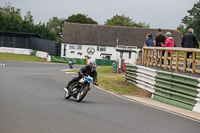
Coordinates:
(171, 88)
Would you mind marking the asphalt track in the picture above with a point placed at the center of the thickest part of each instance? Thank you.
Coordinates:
(32, 101)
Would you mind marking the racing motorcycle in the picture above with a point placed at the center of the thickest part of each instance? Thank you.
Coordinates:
(79, 89)
(71, 64)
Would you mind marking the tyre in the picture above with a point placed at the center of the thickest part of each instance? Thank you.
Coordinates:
(67, 95)
(82, 93)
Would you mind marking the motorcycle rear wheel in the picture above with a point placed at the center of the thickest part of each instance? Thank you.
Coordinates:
(67, 95)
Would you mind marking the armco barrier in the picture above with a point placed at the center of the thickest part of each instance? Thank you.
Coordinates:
(15, 50)
(175, 89)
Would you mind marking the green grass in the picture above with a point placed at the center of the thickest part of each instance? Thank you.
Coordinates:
(116, 83)
(18, 57)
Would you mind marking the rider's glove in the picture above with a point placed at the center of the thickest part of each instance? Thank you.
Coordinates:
(82, 74)
(94, 82)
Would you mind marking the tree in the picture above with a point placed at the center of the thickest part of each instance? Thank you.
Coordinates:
(29, 18)
(56, 25)
(11, 19)
(44, 31)
(182, 29)
(124, 21)
(80, 18)
(193, 20)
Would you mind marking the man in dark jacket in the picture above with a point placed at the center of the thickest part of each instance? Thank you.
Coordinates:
(90, 70)
(190, 41)
(158, 39)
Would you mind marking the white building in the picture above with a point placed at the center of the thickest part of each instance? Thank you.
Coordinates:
(105, 42)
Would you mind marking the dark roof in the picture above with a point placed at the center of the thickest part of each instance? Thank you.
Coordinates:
(17, 34)
(91, 34)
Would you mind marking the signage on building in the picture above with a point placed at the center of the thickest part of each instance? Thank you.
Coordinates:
(90, 50)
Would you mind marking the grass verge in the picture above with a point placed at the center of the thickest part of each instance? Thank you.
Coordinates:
(18, 57)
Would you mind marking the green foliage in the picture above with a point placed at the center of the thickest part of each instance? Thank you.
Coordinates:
(193, 20)
(125, 21)
(80, 18)
(182, 29)
(56, 25)
(11, 21)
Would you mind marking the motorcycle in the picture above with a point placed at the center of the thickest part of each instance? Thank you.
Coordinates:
(79, 89)
(71, 65)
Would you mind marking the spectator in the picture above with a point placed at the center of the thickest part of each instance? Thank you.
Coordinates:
(168, 43)
(190, 41)
(149, 43)
(150, 40)
(158, 39)
(86, 58)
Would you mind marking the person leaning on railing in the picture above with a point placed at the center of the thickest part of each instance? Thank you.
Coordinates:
(158, 39)
(189, 40)
(169, 42)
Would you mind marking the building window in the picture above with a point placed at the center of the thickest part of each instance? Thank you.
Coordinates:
(101, 48)
(75, 46)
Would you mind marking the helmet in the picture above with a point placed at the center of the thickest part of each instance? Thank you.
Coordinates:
(93, 64)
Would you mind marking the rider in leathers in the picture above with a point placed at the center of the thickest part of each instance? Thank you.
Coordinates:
(90, 70)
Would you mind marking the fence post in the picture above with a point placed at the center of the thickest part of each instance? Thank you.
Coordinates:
(171, 58)
(156, 63)
(148, 57)
(193, 62)
(177, 59)
(152, 57)
(161, 58)
(145, 56)
(184, 61)
(166, 58)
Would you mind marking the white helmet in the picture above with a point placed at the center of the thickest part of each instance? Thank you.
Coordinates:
(93, 64)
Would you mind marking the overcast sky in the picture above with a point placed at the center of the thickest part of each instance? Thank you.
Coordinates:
(165, 14)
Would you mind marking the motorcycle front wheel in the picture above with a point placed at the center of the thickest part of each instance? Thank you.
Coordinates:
(82, 93)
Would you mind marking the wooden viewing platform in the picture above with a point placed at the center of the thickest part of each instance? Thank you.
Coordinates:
(179, 57)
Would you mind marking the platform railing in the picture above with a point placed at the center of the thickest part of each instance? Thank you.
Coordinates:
(177, 60)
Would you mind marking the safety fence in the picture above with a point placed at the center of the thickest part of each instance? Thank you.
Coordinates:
(177, 59)
(66, 60)
(102, 62)
(171, 88)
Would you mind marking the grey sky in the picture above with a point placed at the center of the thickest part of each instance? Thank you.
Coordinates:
(165, 14)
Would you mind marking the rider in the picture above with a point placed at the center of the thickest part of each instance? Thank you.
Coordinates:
(71, 63)
(90, 70)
